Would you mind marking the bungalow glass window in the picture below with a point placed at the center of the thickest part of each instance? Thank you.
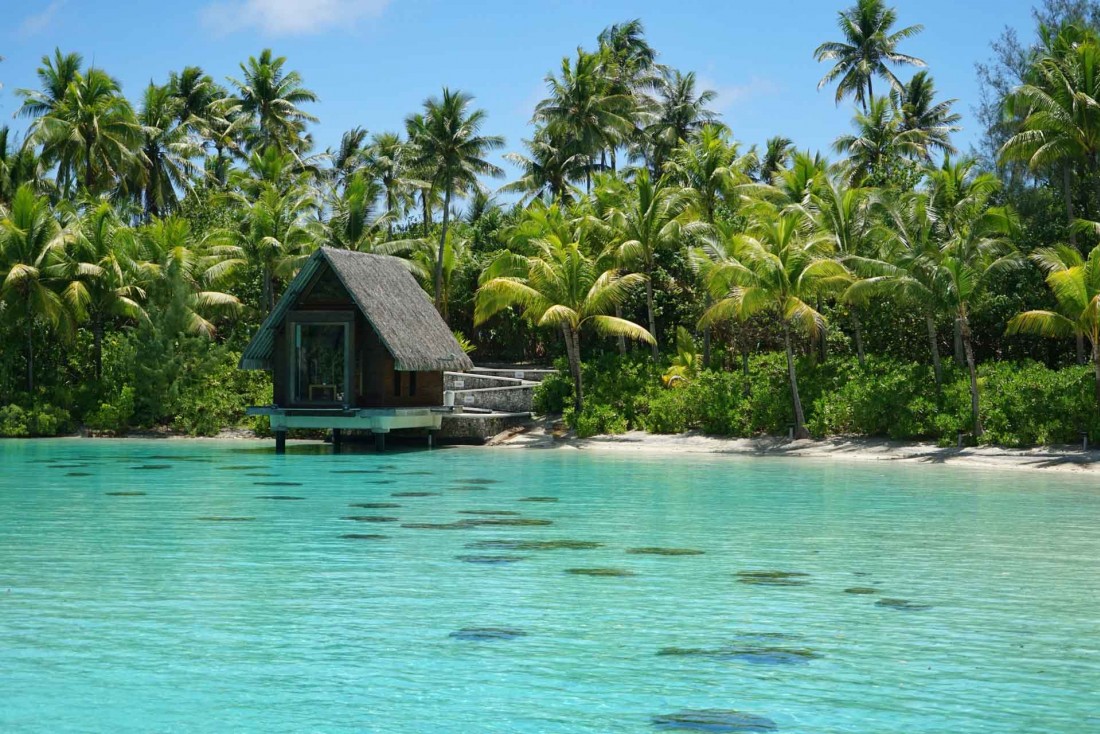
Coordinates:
(320, 363)
(412, 384)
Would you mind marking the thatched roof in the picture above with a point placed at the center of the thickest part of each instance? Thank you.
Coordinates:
(390, 299)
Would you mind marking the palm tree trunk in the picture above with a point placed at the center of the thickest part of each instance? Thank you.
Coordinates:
(799, 418)
(30, 354)
(652, 315)
(621, 338)
(426, 208)
(439, 256)
(269, 290)
(1067, 192)
(97, 336)
(572, 351)
(937, 368)
(822, 339)
(1096, 368)
(975, 397)
(857, 332)
(706, 347)
(960, 359)
(870, 96)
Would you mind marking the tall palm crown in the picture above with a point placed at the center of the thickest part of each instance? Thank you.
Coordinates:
(920, 112)
(709, 167)
(54, 75)
(682, 110)
(584, 108)
(869, 47)
(547, 168)
(449, 147)
(168, 150)
(92, 133)
(881, 143)
(271, 97)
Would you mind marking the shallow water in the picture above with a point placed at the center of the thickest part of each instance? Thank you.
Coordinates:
(137, 613)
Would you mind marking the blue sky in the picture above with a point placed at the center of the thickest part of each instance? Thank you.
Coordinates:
(374, 61)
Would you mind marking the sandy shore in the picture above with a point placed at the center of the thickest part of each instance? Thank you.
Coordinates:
(839, 449)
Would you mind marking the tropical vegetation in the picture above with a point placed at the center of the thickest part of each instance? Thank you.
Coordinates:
(681, 278)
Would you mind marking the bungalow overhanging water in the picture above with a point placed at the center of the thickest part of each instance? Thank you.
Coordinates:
(354, 343)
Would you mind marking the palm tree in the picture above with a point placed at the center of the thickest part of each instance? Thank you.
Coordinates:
(777, 152)
(355, 224)
(55, 76)
(934, 122)
(709, 169)
(1060, 111)
(1075, 283)
(681, 112)
(349, 156)
(168, 150)
(973, 247)
(20, 164)
(196, 93)
(879, 146)
(547, 169)
(386, 159)
(91, 133)
(100, 267)
(843, 214)
(560, 287)
(586, 110)
(870, 44)
(778, 271)
(449, 147)
(178, 271)
(649, 221)
(271, 97)
(30, 239)
(906, 267)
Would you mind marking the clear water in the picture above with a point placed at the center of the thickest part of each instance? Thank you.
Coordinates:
(127, 613)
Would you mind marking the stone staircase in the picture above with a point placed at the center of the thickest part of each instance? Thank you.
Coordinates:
(488, 400)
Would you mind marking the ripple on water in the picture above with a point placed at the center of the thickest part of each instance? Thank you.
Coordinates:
(149, 467)
(224, 518)
(500, 513)
(277, 484)
(611, 572)
(364, 536)
(755, 654)
(487, 634)
(861, 590)
(375, 505)
(79, 474)
(476, 482)
(369, 518)
(538, 499)
(125, 494)
(773, 578)
(415, 494)
(714, 720)
(278, 497)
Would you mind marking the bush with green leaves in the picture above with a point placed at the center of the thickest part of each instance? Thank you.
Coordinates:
(38, 420)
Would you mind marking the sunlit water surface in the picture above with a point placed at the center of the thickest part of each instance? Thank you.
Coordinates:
(160, 587)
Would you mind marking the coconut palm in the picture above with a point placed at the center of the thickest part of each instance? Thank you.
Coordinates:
(649, 220)
(586, 110)
(451, 150)
(101, 268)
(681, 111)
(1060, 110)
(547, 169)
(870, 45)
(196, 93)
(385, 159)
(880, 144)
(1075, 282)
(168, 150)
(777, 270)
(271, 98)
(92, 133)
(562, 288)
(920, 112)
(349, 156)
(30, 239)
(777, 153)
(179, 272)
(55, 75)
(20, 164)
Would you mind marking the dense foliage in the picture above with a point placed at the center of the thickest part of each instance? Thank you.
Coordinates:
(901, 290)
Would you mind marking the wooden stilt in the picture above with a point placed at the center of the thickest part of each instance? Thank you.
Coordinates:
(431, 438)
(280, 442)
(337, 439)
(380, 441)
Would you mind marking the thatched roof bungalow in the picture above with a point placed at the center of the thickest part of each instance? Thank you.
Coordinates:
(354, 343)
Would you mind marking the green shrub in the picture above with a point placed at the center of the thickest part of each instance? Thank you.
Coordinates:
(1024, 404)
(113, 416)
(595, 420)
(13, 422)
(554, 393)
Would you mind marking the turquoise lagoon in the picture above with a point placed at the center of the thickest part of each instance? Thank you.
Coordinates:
(161, 586)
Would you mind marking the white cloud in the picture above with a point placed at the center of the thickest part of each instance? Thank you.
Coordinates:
(731, 94)
(41, 20)
(287, 17)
